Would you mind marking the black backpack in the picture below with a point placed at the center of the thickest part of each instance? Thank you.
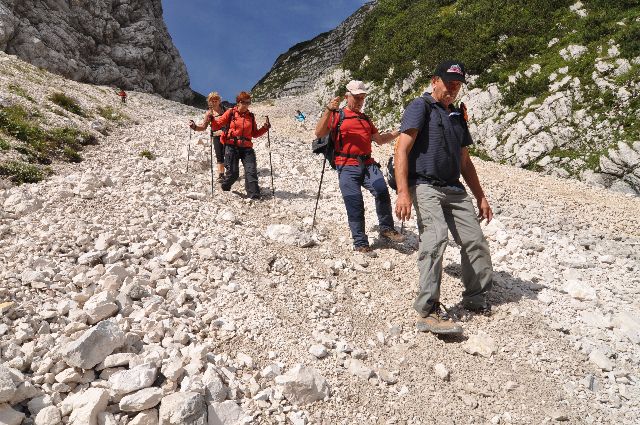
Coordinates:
(332, 142)
(391, 173)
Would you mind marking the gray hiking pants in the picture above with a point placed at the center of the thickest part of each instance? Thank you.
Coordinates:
(439, 209)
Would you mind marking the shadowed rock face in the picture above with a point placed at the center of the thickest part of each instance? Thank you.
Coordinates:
(123, 43)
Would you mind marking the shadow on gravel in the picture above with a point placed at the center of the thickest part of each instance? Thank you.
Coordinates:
(284, 194)
(506, 287)
(452, 339)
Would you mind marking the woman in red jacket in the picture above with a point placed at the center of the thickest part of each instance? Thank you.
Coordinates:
(241, 128)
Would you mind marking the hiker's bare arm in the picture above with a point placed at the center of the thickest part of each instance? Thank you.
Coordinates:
(468, 171)
(322, 128)
(401, 171)
(384, 138)
(203, 126)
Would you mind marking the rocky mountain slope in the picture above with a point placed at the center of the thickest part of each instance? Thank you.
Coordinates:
(131, 294)
(554, 91)
(122, 43)
(296, 70)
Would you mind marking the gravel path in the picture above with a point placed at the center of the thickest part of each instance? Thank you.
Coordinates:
(212, 280)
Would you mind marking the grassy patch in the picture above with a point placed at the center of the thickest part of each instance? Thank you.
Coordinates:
(477, 152)
(4, 145)
(21, 172)
(109, 113)
(39, 145)
(147, 154)
(68, 103)
(16, 89)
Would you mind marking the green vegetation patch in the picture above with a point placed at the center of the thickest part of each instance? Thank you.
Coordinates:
(4, 145)
(109, 113)
(68, 103)
(147, 154)
(22, 172)
(39, 145)
(16, 89)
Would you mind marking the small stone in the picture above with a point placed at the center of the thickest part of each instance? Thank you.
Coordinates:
(225, 413)
(599, 359)
(481, 344)
(94, 345)
(303, 385)
(128, 381)
(183, 408)
(441, 371)
(8, 388)
(148, 417)
(49, 416)
(558, 415)
(387, 377)
(318, 350)
(358, 368)
(8, 416)
(141, 400)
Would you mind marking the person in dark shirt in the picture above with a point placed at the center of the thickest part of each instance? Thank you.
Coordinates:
(431, 155)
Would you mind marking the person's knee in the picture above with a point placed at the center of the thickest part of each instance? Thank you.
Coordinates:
(475, 241)
(355, 207)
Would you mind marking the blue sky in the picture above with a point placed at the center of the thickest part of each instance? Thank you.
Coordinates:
(229, 45)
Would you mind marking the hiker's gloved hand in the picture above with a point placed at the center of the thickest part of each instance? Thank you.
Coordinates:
(192, 124)
(266, 125)
(335, 103)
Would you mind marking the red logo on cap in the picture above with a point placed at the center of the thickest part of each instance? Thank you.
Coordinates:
(455, 69)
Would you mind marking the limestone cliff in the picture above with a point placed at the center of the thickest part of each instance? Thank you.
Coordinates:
(295, 71)
(122, 43)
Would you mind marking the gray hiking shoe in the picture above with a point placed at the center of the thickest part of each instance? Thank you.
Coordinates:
(438, 322)
(393, 235)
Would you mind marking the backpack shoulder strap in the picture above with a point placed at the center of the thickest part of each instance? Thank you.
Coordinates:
(338, 137)
(232, 116)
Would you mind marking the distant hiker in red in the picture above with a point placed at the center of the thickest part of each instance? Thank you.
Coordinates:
(123, 96)
(241, 128)
(215, 110)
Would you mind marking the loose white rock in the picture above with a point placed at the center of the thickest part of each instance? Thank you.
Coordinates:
(303, 385)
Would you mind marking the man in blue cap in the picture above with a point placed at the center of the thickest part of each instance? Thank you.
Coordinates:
(431, 155)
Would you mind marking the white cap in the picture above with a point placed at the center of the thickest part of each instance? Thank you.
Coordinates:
(356, 87)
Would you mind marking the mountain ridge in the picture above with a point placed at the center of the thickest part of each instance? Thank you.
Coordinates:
(555, 91)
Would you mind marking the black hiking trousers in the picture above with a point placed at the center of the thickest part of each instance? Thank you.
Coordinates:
(232, 157)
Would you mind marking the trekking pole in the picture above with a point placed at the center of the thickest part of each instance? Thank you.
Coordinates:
(402, 228)
(211, 157)
(273, 189)
(313, 222)
(189, 150)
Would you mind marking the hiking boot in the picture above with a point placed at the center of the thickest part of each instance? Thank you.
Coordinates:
(438, 322)
(366, 250)
(393, 235)
(484, 308)
(220, 177)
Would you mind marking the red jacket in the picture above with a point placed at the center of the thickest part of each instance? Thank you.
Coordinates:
(242, 128)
